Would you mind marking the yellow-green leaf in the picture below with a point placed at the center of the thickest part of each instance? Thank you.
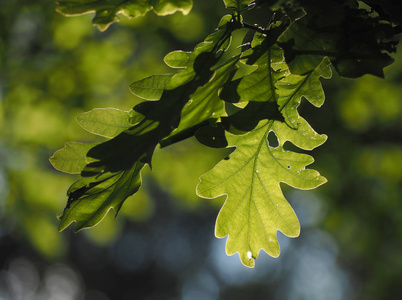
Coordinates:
(255, 208)
(106, 11)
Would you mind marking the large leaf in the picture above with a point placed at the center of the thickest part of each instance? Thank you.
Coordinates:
(255, 208)
(106, 11)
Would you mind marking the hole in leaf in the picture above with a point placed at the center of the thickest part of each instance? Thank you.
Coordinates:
(288, 167)
(273, 139)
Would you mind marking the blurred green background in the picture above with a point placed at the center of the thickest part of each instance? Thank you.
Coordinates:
(162, 244)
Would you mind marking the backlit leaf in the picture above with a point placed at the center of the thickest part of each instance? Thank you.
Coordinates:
(72, 158)
(239, 5)
(255, 208)
(291, 88)
(106, 11)
(106, 122)
(150, 88)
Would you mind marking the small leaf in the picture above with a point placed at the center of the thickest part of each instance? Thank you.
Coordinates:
(168, 7)
(106, 122)
(72, 158)
(178, 59)
(150, 88)
(291, 88)
(239, 5)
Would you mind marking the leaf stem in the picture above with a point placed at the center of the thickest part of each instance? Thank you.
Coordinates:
(253, 27)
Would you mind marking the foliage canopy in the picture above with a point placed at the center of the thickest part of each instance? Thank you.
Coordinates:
(246, 102)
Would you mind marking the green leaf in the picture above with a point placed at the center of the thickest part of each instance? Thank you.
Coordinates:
(255, 207)
(204, 104)
(258, 85)
(71, 158)
(239, 5)
(90, 199)
(106, 11)
(150, 88)
(178, 59)
(291, 88)
(106, 122)
(168, 7)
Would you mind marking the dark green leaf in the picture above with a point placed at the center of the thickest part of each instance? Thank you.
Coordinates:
(212, 136)
(355, 42)
(91, 198)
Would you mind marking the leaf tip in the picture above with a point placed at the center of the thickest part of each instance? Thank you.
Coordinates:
(62, 224)
(248, 259)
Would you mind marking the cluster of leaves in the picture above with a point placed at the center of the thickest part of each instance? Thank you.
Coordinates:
(210, 98)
